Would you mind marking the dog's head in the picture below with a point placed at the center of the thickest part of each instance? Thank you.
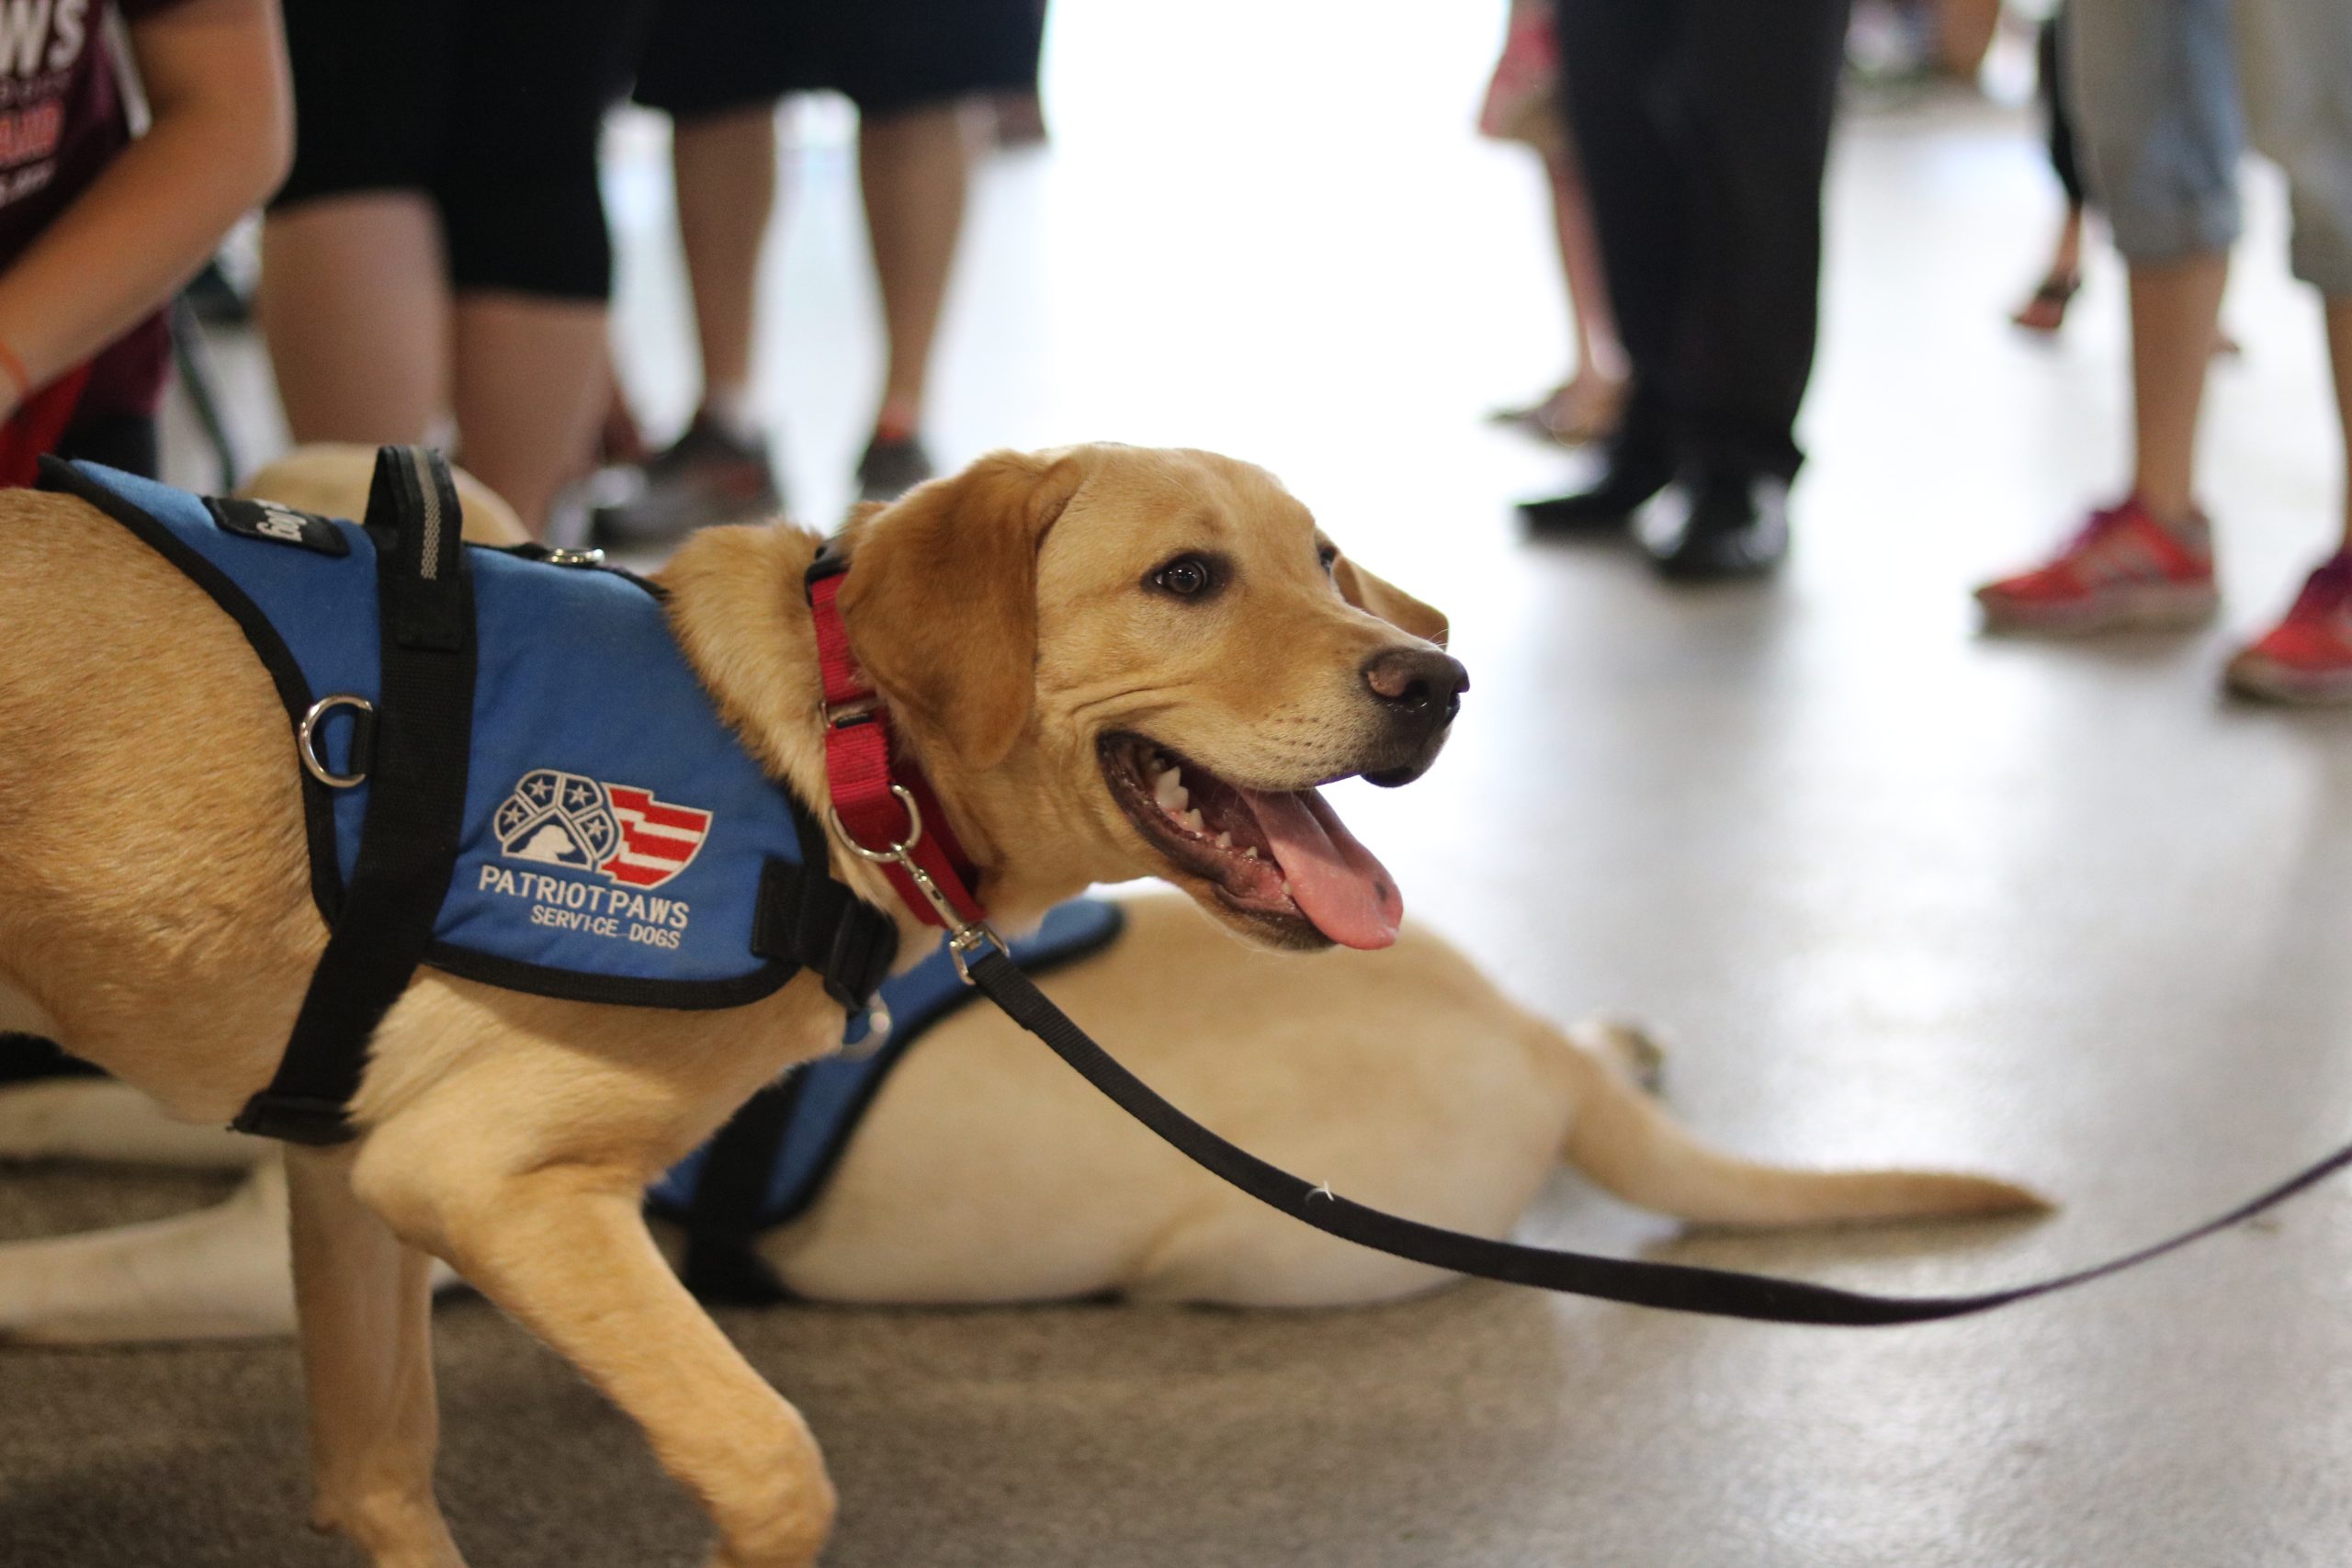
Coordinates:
(1122, 663)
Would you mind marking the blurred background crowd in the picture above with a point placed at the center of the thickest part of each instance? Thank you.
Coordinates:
(435, 257)
(441, 184)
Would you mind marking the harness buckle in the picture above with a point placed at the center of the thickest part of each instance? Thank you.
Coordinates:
(857, 710)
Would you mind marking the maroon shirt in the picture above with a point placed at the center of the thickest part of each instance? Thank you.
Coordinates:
(61, 121)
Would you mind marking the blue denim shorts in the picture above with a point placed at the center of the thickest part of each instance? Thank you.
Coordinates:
(2171, 93)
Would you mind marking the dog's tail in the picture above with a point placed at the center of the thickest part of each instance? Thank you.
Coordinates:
(1624, 1140)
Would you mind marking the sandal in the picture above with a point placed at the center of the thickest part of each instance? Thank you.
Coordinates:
(2045, 310)
(1573, 415)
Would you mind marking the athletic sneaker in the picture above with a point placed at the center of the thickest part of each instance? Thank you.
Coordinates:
(707, 476)
(2123, 569)
(2307, 657)
(892, 466)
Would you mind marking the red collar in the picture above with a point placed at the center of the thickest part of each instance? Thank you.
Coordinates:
(879, 800)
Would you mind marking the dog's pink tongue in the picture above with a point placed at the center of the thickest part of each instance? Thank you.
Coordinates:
(1335, 880)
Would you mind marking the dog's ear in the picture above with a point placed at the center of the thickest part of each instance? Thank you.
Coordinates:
(942, 598)
(1376, 597)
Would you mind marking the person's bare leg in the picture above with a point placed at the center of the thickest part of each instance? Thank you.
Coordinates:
(1586, 406)
(2044, 309)
(357, 280)
(2175, 309)
(1964, 30)
(725, 169)
(2339, 353)
(913, 170)
(530, 392)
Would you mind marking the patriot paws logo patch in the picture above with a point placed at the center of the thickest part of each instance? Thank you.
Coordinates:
(558, 819)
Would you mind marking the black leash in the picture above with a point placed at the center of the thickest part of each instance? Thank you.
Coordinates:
(1716, 1293)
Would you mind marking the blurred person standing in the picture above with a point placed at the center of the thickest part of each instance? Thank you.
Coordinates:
(2044, 309)
(1523, 104)
(718, 68)
(440, 248)
(1704, 128)
(97, 227)
(2164, 93)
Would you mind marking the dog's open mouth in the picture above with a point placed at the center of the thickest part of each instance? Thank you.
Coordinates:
(1281, 857)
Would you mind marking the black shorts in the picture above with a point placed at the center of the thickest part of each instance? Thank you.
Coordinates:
(708, 57)
(489, 107)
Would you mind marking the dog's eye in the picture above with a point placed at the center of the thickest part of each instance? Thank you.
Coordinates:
(1185, 577)
(1327, 555)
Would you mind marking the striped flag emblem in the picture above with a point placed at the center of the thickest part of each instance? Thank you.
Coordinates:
(657, 841)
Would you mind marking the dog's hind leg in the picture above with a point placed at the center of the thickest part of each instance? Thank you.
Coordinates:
(365, 1302)
(220, 1273)
(565, 1250)
(1624, 1139)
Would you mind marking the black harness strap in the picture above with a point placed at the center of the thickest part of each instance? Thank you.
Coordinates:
(805, 916)
(417, 795)
(723, 1262)
(1679, 1287)
(733, 1206)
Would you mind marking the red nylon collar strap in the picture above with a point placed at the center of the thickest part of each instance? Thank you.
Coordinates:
(885, 811)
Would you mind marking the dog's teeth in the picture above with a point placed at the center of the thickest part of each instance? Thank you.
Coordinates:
(1224, 841)
(1169, 792)
(1193, 820)
(1286, 893)
(1251, 852)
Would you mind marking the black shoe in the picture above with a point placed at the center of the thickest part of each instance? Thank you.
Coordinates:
(1625, 485)
(1714, 526)
(706, 476)
(892, 468)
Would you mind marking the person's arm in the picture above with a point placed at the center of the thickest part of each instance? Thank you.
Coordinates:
(219, 142)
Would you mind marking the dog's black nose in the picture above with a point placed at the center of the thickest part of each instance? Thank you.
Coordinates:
(1417, 683)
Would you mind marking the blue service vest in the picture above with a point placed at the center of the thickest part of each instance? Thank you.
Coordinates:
(615, 834)
(825, 1099)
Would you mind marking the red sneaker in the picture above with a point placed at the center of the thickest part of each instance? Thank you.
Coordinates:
(2307, 657)
(2123, 569)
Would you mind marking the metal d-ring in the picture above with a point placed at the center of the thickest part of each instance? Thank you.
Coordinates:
(897, 854)
(878, 1025)
(304, 740)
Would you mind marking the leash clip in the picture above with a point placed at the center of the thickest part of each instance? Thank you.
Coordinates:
(964, 937)
(967, 941)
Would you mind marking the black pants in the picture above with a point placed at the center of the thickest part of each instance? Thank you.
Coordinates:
(1703, 126)
(125, 441)
(2058, 102)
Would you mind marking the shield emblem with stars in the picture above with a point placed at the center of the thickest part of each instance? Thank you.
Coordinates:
(557, 818)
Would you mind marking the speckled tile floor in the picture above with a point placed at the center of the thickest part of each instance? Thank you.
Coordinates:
(1898, 892)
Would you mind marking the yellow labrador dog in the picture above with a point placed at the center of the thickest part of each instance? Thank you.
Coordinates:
(1053, 633)
(1404, 1078)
